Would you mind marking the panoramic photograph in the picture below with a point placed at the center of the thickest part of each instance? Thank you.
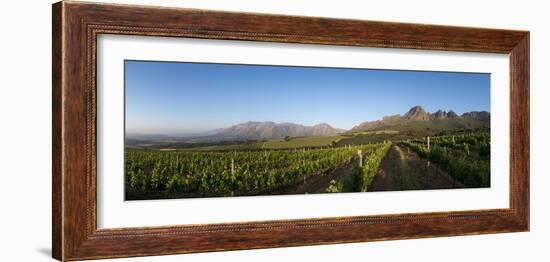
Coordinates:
(198, 130)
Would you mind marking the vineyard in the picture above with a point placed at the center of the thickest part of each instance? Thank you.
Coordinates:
(465, 157)
(240, 173)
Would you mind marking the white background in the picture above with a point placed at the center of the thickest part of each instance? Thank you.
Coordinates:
(25, 106)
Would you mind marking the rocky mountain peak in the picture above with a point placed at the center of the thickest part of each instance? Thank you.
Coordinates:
(452, 114)
(322, 125)
(440, 114)
(417, 113)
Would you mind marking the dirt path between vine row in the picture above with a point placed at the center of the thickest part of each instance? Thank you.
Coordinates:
(403, 169)
(318, 183)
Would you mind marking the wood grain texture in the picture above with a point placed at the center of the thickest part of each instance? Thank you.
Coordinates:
(57, 202)
(519, 129)
(76, 26)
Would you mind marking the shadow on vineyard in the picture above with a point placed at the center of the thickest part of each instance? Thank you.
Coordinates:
(403, 169)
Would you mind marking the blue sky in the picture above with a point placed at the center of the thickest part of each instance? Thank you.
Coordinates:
(183, 98)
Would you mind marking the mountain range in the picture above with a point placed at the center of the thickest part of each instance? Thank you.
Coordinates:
(415, 119)
(414, 122)
(272, 130)
(418, 118)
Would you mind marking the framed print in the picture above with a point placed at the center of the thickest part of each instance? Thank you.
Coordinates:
(181, 130)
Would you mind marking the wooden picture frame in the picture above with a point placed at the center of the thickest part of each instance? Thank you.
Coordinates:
(76, 26)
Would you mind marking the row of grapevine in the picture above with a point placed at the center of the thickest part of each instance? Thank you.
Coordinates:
(370, 168)
(361, 175)
(456, 160)
(474, 141)
(231, 173)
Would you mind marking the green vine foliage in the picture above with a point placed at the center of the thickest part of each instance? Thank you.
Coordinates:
(466, 159)
(239, 172)
(370, 167)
